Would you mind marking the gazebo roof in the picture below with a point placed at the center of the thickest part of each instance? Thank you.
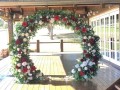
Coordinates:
(27, 7)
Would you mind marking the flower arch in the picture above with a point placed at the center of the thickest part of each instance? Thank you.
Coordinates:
(22, 66)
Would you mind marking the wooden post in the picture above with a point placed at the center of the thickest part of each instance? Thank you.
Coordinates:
(50, 29)
(10, 28)
(61, 45)
(38, 46)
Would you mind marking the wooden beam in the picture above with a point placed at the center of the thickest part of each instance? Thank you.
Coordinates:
(10, 28)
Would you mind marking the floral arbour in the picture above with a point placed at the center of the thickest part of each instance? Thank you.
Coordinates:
(22, 66)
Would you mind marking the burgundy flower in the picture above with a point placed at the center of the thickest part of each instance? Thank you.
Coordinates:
(92, 69)
(23, 59)
(64, 19)
(20, 51)
(18, 41)
(24, 70)
(84, 30)
(82, 73)
(84, 51)
(44, 19)
(56, 18)
(73, 18)
(17, 67)
(84, 40)
(31, 20)
(68, 23)
(91, 41)
(77, 28)
(88, 55)
(33, 68)
(24, 24)
(81, 60)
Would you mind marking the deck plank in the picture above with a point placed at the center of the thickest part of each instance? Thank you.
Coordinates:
(55, 68)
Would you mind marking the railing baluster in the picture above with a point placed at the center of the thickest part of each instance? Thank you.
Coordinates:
(38, 46)
(61, 45)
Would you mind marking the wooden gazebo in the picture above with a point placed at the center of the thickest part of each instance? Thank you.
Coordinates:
(15, 10)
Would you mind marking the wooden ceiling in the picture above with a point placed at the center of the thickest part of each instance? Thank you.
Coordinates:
(22, 8)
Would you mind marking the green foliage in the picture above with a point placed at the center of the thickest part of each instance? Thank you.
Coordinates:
(22, 66)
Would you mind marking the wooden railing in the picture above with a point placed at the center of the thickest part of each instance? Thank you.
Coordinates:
(38, 43)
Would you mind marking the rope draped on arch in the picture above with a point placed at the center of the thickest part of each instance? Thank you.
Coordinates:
(23, 67)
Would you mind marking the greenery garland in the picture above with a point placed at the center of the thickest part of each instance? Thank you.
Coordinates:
(22, 66)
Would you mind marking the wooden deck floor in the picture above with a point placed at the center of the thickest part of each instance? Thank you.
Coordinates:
(56, 67)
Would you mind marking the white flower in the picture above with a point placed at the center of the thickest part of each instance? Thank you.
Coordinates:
(85, 76)
(26, 27)
(29, 31)
(28, 67)
(83, 64)
(40, 74)
(85, 37)
(40, 22)
(47, 16)
(73, 71)
(36, 21)
(77, 66)
(93, 51)
(40, 16)
(24, 50)
(59, 22)
(89, 37)
(79, 69)
(19, 56)
(89, 44)
(18, 49)
(24, 63)
(30, 78)
(90, 63)
(19, 70)
(51, 20)
(25, 39)
(37, 75)
(30, 74)
(79, 22)
(26, 16)
(22, 34)
(19, 64)
(28, 71)
(85, 68)
(26, 34)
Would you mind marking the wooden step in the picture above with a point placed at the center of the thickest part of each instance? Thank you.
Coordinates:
(117, 86)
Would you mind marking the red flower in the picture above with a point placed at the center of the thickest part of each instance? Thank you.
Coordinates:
(17, 67)
(20, 51)
(69, 23)
(44, 19)
(31, 20)
(56, 18)
(24, 70)
(23, 59)
(18, 41)
(87, 55)
(64, 19)
(73, 18)
(84, 51)
(33, 68)
(77, 28)
(24, 24)
(82, 73)
(84, 40)
(84, 30)
(92, 69)
(91, 41)
(81, 60)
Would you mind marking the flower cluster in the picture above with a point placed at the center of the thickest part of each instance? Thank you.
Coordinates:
(23, 67)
